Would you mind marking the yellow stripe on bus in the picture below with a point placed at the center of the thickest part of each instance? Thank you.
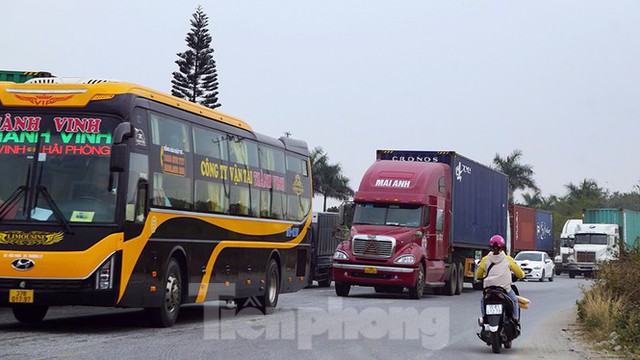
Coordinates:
(60, 265)
(133, 248)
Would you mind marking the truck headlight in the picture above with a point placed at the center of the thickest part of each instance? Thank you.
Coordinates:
(340, 255)
(558, 259)
(405, 259)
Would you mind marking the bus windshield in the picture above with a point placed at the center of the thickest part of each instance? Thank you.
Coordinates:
(56, 168)
(387, 214)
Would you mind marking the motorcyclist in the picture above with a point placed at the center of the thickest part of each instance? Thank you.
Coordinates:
(496, 269)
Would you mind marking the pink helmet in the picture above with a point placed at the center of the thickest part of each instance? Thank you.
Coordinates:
(497, 240)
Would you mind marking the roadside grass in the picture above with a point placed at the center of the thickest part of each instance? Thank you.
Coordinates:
(610, 309)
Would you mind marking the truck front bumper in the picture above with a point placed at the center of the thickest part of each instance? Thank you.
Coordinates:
(371, 275)
(573, 266)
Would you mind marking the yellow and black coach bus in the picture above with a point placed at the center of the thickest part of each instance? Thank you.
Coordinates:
(117, 195)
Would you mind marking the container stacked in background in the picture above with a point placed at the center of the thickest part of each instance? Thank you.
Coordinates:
(531, 229)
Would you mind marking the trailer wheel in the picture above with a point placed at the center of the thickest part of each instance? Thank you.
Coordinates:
(416, 292)
(460, 279)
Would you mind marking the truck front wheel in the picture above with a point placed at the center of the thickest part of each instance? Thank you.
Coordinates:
(416, 292)
(572, 274)
(342, 289)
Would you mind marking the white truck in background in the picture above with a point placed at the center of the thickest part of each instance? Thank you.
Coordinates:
(592, 243)
(566, 239)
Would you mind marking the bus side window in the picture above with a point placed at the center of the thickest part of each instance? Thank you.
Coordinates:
(138, 175)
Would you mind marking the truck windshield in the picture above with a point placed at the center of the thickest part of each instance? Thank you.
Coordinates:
(388, 214)
(56, 168)
(595, 239)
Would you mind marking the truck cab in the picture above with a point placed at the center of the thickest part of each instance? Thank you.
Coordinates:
(592, 243)
(397, 237)
(566, 242)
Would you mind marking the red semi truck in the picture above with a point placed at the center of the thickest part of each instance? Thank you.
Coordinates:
(421, 219)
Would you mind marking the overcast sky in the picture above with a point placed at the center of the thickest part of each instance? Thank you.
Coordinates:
(558, 80)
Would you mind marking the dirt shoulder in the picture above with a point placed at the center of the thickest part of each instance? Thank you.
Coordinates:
(559, 337)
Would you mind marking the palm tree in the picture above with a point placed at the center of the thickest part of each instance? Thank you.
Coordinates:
(538, 201)
(328, 179)
(520, 176)
(588, 189)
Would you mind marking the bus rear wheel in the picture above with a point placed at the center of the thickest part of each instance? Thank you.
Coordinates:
(167, 313)
(30, 313)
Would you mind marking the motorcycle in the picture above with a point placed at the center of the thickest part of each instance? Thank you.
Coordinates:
(498, 326)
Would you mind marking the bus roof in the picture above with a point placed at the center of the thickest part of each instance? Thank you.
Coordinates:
(74, 92)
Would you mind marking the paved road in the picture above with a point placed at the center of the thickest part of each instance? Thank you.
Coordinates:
(312, 323)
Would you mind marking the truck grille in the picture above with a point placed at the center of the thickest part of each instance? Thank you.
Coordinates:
(564, 257)
(586, 256)
(373, 248)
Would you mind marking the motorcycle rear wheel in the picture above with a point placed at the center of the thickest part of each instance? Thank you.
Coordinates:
(496, 346)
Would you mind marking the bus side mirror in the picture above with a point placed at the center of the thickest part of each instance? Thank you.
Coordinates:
(122, 132)
(119, 148)
(118, 157)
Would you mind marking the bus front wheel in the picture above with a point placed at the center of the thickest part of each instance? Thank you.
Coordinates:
(30, 313)
(167, 313)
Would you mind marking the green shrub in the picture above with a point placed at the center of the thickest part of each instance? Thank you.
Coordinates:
(612, 303)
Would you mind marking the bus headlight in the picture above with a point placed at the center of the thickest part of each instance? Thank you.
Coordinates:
(405, 259)
(104, 275)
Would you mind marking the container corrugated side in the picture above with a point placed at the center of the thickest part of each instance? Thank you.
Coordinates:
(544, 231)
(631, 228)
(480, 201)
(602, 216)
(523, 228)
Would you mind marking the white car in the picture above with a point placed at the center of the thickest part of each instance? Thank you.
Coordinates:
(536, 265)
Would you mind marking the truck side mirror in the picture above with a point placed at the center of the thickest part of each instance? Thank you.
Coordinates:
(346, 212)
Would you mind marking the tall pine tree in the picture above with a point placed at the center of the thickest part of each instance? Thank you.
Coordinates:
(197, 80)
